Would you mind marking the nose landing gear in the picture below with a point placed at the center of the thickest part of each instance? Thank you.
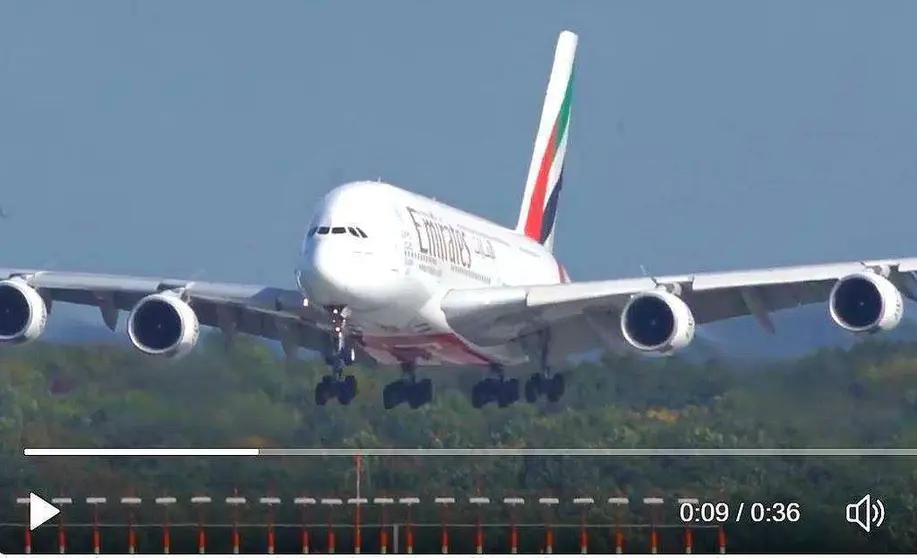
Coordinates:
(338, 356)
(408, 389)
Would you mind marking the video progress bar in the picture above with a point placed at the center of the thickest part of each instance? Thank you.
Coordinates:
(469, 452)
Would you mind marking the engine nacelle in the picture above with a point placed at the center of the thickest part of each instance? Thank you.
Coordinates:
(23, 312)
(657, 322)
(162, 324)
(865, 302)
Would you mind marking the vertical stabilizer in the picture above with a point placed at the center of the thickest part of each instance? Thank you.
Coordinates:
(546, 172)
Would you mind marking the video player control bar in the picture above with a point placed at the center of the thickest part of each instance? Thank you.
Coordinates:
(470, 452)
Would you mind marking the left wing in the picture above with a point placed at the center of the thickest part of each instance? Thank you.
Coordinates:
(272, 313)
(589, 315)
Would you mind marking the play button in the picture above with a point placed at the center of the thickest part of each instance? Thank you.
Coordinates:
(40, 511)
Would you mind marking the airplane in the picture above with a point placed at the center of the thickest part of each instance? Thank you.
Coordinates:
(386, 276)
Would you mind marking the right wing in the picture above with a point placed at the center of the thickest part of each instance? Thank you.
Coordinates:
(587, 315)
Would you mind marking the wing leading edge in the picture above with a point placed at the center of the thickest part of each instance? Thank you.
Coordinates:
(587, 315)
(272, 313)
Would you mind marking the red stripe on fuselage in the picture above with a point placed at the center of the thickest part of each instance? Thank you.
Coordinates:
(430, 348)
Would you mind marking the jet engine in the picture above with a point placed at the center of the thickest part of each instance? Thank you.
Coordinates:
(162, 324)
(23, 312)
(657, 322)
(866, 302)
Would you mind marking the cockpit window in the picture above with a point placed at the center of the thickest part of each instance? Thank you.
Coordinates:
(354, 231)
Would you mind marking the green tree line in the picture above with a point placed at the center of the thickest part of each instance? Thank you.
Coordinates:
(105, 396)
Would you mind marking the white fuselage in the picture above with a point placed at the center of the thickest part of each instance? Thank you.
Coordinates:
(389, 256)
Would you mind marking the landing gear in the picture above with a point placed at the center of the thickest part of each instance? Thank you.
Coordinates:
(338, 356)
(551, 386)
(407, 390)
(548, 383)
(344, 389)
(495, 389)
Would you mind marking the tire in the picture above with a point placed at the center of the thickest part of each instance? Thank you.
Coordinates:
(507, 392)
(556, 388)
(415, 395)
(347, 390)
(533, 387)
(480, 395)
(393, 395)
(423, 391)
(323, 392)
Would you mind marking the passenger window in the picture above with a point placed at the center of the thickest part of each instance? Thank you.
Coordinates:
(323, 230)
(359, 230)
(338, 230)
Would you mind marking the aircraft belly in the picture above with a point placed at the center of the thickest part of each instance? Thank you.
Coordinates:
(436, 348)
(416, 331)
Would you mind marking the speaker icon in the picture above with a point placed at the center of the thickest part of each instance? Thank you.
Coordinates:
(867, 513)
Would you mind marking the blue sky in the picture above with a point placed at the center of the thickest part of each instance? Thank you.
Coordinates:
(192, 138)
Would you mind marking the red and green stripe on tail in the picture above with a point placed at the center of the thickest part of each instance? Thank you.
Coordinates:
(538, 213)
(540, 221)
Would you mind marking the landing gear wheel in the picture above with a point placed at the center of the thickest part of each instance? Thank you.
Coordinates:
(420, 393)
(507, 392)
(504, 392)
(481, 394)
(393, 394)
(347, 390)
(552, 387)
(415, 393)
(324, 391)
(533, 387)
(555, 388)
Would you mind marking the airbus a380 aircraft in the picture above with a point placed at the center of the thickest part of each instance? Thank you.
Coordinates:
(392, 277)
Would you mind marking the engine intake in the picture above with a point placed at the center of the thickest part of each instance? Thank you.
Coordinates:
(866, 302)
(657, 322)
(23, 312)
(162, 324)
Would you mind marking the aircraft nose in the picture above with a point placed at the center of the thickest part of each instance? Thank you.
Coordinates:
(334, 272)
(324, 270)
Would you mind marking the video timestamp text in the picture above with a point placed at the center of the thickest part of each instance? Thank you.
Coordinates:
(700, 512)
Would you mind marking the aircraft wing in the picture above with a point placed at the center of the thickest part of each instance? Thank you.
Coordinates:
(586, 315)
(272, 313)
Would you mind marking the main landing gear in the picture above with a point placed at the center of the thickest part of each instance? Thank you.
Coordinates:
(408, 389)
(505, 392)
(338, 356)
(552, 386)
(495, 388)
(546, 382)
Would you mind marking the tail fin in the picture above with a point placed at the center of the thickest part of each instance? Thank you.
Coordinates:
(546, 172)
